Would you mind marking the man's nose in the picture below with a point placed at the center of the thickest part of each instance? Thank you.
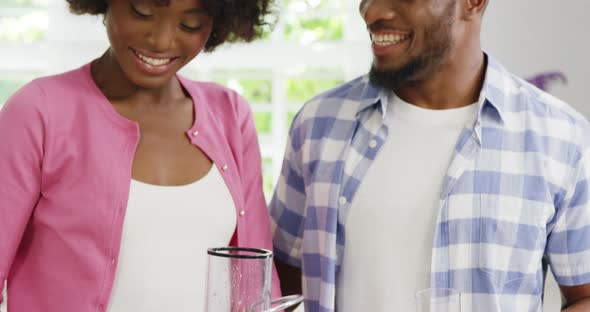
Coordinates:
(375, 10)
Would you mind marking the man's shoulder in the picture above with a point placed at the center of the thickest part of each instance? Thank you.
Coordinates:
(543, 104)
(350, 89)
(340, 102)
(520, 96)
(528, 109)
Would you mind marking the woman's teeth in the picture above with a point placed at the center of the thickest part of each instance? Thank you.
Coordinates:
(152, 61)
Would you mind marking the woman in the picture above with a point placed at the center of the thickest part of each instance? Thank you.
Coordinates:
(116, 177)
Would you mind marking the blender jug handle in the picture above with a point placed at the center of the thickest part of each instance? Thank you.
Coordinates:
(285, 302)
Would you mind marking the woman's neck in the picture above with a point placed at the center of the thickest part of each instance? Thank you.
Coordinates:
(117, 87)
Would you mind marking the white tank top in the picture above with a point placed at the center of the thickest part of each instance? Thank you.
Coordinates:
(167, 230)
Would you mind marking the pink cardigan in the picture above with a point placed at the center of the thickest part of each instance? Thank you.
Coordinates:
(65, 171)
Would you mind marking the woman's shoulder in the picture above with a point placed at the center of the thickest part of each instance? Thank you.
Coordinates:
(217, 97)
(50, 95)
(205, 85)
(55, 87)
(70, 81)
(207, 88)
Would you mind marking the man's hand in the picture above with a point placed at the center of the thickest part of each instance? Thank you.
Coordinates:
(576, 298)
(290, 277)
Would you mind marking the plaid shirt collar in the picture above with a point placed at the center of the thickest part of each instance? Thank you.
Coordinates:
(495, 93)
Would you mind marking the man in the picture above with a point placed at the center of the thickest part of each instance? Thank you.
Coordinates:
(439, 169)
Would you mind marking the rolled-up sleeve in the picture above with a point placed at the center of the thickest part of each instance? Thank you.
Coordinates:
(568, 244)
(288, 205)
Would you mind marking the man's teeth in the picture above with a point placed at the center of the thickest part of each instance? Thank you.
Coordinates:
(153, 61)
(386, 40)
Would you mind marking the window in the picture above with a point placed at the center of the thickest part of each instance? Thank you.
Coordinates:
(23, 21)
(310, 50)
(23, 24)
(275, 96)
(313, 47)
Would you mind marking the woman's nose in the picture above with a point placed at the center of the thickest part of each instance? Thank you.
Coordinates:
(161, 38)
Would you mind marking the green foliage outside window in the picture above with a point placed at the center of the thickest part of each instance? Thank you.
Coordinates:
(301, 90)
(271, 21)
(314, 29)
(302, 5)
(256, 91)
(290, 116)
(25, 28)
(267, 178)
(23, 3)
(266, 32)
(263, 122)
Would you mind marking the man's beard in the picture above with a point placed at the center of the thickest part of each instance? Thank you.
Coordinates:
(438, 42)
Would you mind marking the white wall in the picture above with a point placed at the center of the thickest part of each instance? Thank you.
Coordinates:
(530, 36)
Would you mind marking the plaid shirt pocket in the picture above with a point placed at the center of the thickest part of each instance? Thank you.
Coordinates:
(511, 236)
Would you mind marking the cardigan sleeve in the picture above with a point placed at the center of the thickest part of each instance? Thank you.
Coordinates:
(22, 135)
(251, 180)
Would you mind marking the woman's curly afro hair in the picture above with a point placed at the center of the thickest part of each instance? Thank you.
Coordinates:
(233, 20)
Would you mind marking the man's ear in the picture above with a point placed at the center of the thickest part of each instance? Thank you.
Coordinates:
(472, 9)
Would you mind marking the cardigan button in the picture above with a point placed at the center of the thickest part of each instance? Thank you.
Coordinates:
(242, 213)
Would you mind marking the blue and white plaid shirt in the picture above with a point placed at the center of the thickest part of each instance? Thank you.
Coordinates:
(515, 199)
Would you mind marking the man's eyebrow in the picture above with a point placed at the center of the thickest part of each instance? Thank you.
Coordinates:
(196, 11)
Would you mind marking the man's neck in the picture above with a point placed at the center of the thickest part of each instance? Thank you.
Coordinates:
(456, 83)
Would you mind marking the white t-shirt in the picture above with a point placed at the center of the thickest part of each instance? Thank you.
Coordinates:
(163, 259)
(390, 227)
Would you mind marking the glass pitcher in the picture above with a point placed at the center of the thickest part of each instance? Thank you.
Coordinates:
(239, 280)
